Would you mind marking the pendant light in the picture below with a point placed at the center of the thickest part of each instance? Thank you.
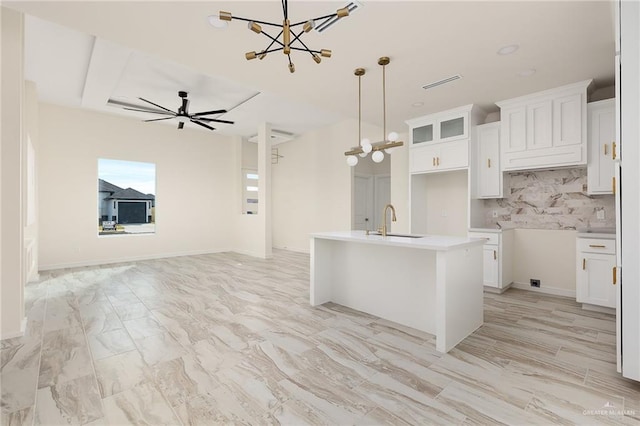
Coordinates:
(365, 146)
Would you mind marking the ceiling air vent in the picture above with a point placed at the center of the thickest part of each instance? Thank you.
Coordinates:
(352, 6)
(277, 136)
(441, 82)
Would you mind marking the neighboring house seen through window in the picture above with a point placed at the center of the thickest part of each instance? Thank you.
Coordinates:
(126, 197)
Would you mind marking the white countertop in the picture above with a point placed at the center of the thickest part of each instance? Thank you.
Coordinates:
(426, 242)
(489, 230)
(602, 233)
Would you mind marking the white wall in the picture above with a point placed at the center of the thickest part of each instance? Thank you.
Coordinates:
(312, 185)
(12, 212)
(193, 199)
(547, 255)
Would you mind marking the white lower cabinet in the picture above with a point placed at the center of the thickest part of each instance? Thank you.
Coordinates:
(497, 267)
(595, 275)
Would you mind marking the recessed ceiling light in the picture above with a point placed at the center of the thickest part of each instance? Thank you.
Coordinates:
(216, 22)
(508, 50)
(527, 73)
(417, 104)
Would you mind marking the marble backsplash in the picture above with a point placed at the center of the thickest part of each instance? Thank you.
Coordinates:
(549, 199)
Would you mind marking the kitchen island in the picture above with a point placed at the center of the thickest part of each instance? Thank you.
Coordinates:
(431, 283)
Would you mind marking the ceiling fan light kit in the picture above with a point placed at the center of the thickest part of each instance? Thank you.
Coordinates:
(365, 146)
(287, 37)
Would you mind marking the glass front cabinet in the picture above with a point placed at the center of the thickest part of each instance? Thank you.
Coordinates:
(440, 127)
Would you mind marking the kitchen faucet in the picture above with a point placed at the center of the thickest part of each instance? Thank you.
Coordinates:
(383, 228)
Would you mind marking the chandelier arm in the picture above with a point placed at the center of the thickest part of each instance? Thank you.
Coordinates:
(265, 51)
(332, 15)
(297, 37)
(277, 49)
(273, 39)
(300, 49)
(256, 21)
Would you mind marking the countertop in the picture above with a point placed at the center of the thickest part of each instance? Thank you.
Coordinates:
(601, 233)
(424, 242)
(489, 230)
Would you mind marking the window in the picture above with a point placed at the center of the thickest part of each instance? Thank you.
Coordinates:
(249, 191)
(126, 197)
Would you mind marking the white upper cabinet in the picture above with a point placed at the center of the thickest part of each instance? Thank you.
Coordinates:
(602, 134)
(489, 179)
(440, 141)
(545, 129)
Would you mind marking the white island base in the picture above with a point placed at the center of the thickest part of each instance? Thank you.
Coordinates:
(433, 284)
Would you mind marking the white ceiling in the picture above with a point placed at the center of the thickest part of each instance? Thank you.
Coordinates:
(125, 50)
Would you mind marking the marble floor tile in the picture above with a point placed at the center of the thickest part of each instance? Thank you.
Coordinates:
(121, 372)
(65, 356)
(132, 311)
(18, 389)
(182, 379)
(143, 327)
(22, 417)
(110, 343)
(159, 348)
(141, 405)
(229, 339)
(74, 402)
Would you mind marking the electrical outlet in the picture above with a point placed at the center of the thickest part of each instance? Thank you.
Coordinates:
(534, 283)
(494, 213)
(600, 214)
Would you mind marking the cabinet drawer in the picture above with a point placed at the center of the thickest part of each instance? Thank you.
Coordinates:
(492, 238)
(596, 245)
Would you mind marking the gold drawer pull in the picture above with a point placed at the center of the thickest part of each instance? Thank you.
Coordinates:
(489, 163)
(605, 149)
(615, 278)
(613, 185)
(434, 161)
(597, 246)
(584, 264)
(495, 255)
(437, 161)
(613, 150)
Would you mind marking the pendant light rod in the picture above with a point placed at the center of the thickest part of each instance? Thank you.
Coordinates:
(359, 72)
(384, 61)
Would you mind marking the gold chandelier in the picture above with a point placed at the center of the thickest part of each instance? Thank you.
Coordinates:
(287, 33)
(388, 142)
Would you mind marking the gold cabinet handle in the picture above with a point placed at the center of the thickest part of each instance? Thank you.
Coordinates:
(434, 161)
(584, 264)
(613, 150)
(615, 275)
(605, 149)
(596, 246)
(489, 163)
(437, 161)
(495, 255)
(613, 185)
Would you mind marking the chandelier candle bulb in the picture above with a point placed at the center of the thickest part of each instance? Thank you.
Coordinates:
(256, 28)
(250, 55)
(317, 58)
(309, 25)
(292, 68)
(342, 12)
(326, 53)
(377, 157)
(225, 16)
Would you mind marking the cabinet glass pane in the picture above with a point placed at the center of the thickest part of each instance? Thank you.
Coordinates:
(450, 128)
(423, 134)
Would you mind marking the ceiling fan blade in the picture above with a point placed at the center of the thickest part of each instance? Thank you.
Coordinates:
(208, 120)
(158, 119)
(218, 111)
(202, 124)
(159, 106)
(149, 110)
(180, 125)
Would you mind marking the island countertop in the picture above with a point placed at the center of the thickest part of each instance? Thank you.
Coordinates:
(425, 242)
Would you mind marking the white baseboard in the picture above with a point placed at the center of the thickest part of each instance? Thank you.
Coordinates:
(595, 308)
(556, 291)
(127, 259)
(297, 250)
(251, 253)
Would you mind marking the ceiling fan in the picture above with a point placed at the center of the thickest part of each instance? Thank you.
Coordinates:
(183, 114)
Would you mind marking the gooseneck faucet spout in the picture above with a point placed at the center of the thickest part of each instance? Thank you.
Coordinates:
(383, 228)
